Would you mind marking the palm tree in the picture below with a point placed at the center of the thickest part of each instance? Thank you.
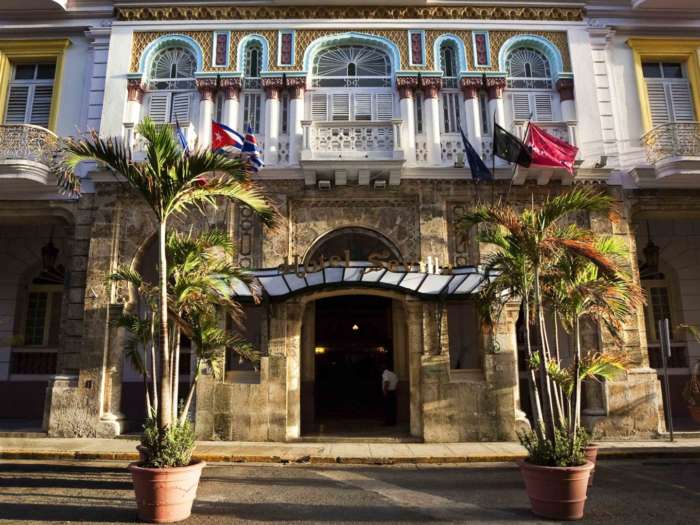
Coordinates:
(200, 280)
(541, 236)
(578, 289)
(171, 183)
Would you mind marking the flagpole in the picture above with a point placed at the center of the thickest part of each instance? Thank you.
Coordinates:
(493, 161)
(515, 167)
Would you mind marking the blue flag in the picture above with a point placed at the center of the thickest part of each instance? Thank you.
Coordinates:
(181, 137)
(479, 170)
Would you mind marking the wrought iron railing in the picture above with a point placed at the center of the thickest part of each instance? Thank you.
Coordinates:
(28, 142)
(675, 139)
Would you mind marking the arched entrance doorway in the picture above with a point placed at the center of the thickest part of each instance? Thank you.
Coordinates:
(349, 339)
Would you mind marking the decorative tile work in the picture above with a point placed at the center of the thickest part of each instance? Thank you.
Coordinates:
(482, 52)
(417, 44)
(221, 49)
(570, 14)
(303, 38)
(285, 42)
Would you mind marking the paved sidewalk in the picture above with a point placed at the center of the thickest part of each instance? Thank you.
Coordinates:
(358, 453)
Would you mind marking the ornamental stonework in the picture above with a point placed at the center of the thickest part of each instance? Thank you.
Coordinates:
(134, 14)
(304, 38)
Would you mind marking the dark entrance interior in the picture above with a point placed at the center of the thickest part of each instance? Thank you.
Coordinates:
(353, 346)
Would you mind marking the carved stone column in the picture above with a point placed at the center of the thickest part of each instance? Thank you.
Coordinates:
(272, 86)
(565, 87)
(500, 349)
(296, 87)
(431, 90)
(406, 87)
(470, 88)
(207, 91)
(134, 100)
(232, 90)
(494, 87)
(414, 341)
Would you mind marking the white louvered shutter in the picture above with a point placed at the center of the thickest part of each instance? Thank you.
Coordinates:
(17, 105)
(681, 101)
(41, 106)
(362, 106)
(181, 105)
(340, 106)
(543, 107)
(158, 107)
(385, 106)
(658, 103)
(521, 106)
(319, 107)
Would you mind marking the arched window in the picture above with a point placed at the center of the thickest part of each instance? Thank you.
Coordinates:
(450, 97)
(354, 83)
(359, 243)
(528, 69)
(352, 66)
(252, 86)
(171, 85)
(529, 79)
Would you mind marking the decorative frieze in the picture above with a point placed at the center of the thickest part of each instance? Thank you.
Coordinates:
(134, 14)
(302, 38)
(471, 86)
(296, 87)
(273, 86)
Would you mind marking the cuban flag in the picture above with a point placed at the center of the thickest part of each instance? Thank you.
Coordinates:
(250, 152)
(225, 140)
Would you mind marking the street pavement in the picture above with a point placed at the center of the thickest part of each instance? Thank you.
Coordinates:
(653, 491)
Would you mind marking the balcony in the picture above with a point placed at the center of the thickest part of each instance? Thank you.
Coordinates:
(27, 157)
(673, 150)
(352, 151)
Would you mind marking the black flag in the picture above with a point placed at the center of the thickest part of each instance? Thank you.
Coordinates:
(509, 147)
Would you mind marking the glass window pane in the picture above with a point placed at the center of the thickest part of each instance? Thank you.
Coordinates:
(46, 71)
(673, 70)
(651, 70)
(24, 71)
(36, 319)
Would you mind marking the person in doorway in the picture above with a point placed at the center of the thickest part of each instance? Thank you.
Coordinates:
(389, 383)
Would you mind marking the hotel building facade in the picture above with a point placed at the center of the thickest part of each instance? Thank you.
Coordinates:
(357, 109)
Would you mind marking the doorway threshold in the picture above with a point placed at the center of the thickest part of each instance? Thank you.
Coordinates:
(360, 431)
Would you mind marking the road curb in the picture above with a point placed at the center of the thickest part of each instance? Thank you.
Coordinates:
(646, 453)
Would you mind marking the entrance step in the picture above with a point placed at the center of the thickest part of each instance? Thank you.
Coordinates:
(325, 438)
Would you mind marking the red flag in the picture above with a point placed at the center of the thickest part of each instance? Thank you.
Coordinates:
(548, 150)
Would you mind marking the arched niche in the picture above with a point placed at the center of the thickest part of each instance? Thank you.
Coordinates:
(360, 242)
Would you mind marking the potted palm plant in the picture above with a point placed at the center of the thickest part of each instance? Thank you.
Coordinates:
(566, 273)
(171, 182)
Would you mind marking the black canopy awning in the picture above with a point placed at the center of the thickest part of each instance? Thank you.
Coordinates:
(276, 285)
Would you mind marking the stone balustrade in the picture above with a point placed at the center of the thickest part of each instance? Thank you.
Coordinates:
(351, 140)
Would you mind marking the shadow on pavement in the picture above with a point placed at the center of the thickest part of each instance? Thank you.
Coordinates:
(21, 512)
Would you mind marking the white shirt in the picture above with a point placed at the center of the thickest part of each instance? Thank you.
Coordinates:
(390, 377)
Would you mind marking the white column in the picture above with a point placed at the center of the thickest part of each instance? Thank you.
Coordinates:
(408, 127)
(229, 115)
(565, 86)
(495, 87)
(431, 119)
(132, 112)
(296, 115)
(272, 121)
(206, 88)
(470, 88)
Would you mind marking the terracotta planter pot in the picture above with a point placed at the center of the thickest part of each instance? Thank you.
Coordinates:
(165, 495)
(591, 454)
(556, 492)
(694, 413)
